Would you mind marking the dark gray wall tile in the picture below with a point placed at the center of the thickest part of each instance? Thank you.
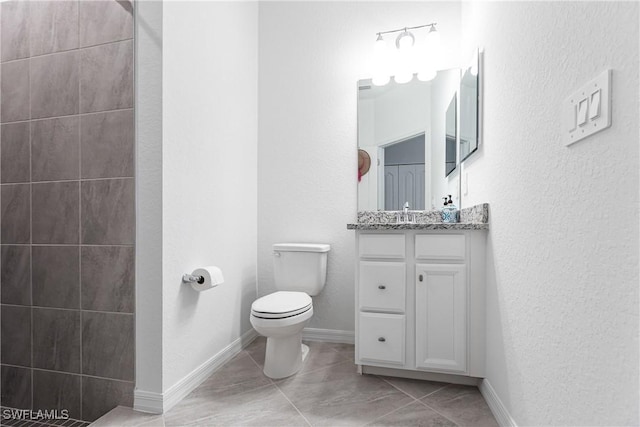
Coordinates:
(108, 278)
(105, 21)
(16, 213)
(52, 390)
(54, 85)
(56, 276)
(55, 149)
(16, 335)
(15, 152)
(107, 144)
(16, 275)
(55, 212)
(99, 396)
(16, 387)
(14, 30)
(56, 339)
(108, 216)
(108, 345)
(106, 81)
(14, 91)
(53, 26)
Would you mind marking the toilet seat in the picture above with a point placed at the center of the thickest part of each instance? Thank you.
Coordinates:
(280, 305)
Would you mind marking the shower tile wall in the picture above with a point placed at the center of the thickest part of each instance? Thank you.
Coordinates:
(67, 205)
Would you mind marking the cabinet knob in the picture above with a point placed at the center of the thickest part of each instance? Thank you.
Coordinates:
(382, 287)
(382, 339)
(420, 278)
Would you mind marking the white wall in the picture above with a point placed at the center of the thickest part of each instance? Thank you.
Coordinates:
(563, 246)
(148, 86)
(210, 75)
(311, 56)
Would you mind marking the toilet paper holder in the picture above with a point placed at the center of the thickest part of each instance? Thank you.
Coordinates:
(190, 278)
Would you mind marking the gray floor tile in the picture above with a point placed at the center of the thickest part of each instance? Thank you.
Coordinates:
(415, 414)
(462, 404)
(239, 375)
(338, 395)
(264, 406)
(127, 417)
(415, 388)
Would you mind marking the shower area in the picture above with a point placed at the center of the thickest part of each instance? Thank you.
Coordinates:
(67, 211)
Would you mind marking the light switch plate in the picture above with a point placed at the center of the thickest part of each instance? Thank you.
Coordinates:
(588, 110)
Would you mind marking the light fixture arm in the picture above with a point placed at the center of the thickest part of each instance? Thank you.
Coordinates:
(432, 25)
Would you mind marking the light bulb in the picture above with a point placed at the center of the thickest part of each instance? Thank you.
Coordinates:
(405, 40)
(433, 39)
(380, 62)
(427, 75)
(380, 80)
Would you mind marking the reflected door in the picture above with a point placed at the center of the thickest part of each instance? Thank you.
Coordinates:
(404, 183)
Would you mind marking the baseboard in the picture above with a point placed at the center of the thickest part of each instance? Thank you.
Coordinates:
(158, 403)
(498, 409)
(328, 335)
(419, 375)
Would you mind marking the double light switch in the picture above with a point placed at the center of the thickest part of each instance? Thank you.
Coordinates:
(588, 110)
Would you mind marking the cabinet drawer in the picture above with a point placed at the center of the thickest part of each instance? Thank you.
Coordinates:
(381, 245)
(381, 338)
(440, 246)
(382, 286)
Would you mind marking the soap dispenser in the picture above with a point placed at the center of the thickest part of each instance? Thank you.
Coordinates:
(449, 211)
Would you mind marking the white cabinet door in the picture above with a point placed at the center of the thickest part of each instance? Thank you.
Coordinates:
(441, 317)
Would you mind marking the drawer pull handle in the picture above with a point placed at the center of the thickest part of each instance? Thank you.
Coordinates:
(382, 339)
(382, 287)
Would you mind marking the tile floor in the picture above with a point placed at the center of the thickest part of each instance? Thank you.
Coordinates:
(326, 392)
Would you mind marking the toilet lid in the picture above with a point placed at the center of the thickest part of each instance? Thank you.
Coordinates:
(281, 304)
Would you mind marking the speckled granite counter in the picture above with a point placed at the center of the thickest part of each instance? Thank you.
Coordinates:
(473, 218)
(423, 226)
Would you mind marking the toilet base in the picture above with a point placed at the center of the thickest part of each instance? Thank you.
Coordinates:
(284, 356)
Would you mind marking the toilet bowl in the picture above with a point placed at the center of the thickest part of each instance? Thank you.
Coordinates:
(281, 317)
(299, 273)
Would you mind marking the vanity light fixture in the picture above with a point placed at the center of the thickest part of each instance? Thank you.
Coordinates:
(409, 56)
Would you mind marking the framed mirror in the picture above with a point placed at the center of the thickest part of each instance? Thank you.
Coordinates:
(470, 103)
(451, 139)
(403, 129)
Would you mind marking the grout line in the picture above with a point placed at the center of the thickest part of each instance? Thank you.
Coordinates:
(435, 391)
(396, 387)
(68, 180)
(79, 141)
(68, 309)
(79, 48)
(76, 374)
(281, 392)
(288, 400)
(90, 113)
(391, 412)
(67, 244)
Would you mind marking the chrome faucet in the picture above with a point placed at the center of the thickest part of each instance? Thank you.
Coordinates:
(405, 217)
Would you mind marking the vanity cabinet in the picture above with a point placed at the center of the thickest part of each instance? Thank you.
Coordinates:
(420, 304)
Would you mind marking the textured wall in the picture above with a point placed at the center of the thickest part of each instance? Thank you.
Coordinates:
(311, 56)
(67, 168)
(563, 266)
(209, 149)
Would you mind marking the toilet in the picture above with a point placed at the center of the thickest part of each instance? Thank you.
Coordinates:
(300, 272)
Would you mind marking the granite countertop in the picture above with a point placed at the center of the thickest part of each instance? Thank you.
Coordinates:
(473, 218)
(421, 226)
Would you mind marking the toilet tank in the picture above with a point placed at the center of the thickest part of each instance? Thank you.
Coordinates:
(300, 267)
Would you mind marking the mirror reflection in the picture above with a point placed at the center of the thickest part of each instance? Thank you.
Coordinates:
(469, 101)
(409, 133)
